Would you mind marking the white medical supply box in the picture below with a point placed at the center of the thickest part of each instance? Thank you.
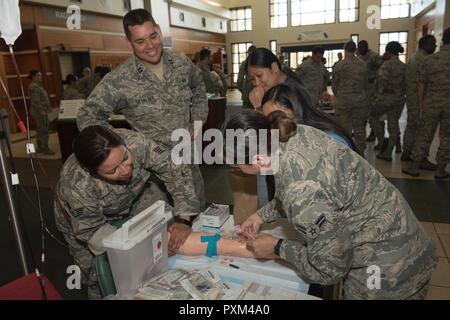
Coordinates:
(138, 250)
(215, 215)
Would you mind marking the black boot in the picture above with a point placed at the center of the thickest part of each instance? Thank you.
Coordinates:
(427, 165)
(411, 169)
(371, 137)
(406, 155)
(398, 147)
(440, 172)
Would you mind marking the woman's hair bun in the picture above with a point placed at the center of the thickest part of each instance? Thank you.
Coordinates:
(287, 126)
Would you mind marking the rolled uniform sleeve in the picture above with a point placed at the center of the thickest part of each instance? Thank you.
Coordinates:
(271, 211)
(98, 108)
(199, 99)
(177, 178)
(327, 255)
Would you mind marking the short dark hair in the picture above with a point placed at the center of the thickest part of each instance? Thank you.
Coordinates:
(205, 52)
(136, 17)
(70, 78)
(251, 49)
(33, 73)
(350, 46)
(446, 36)
(318, 49)
(363, 44)
(93, 145)
(425, 40)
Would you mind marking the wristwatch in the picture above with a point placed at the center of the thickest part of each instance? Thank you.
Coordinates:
(183, 221)
(277, 247)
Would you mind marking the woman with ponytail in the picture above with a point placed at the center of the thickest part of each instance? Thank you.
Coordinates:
(354, 222)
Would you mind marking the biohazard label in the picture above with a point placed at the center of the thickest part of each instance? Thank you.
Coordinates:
(157, 247)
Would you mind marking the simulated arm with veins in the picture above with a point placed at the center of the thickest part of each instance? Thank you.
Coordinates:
(210, 245)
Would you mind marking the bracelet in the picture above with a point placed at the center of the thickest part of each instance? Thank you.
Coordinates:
(277, 247)
(183, 221)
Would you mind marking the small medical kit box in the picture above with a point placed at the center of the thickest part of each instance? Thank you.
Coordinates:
(215, 215)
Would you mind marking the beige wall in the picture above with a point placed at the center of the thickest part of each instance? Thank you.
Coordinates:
(337, 32)
(114, 7)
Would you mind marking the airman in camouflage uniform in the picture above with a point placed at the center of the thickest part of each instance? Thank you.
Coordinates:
(244, 83)
(40, 107)
(349, 85)
(391, 98)
(71, 93)
(87, 207)
(207, 78)
(435, 77)
(314, 77)
(427, 46)
(88, 83)
(373, 62)
(152, 106)
(351, 218)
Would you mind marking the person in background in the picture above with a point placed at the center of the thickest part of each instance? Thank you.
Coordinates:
(244, 84)
(205, 67)
(223, 78)
(391, 84)
(373, 62)
(434, 99)
(71, 90)
(313, 75)
(351, 217)
(349, 86)
(89, 81)
(339, 59)
(427, 46)
(40, 107)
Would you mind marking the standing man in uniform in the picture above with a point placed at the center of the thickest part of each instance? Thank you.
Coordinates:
(373, 62)
(204, 66)
(40, 107)
(157, 91)
(244, 83)
(349, 85)
(314, 75)
(434, 81)
(427, 46)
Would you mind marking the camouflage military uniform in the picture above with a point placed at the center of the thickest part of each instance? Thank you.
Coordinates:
(349, 85)
(351, 218)
(153, 107)
(206, 74)
(71, 93)
(85, 206)
(390, 101)
(40, 106)
(314, 77)
(435, 74)
(87, 85)
(244, 85)
(412, 81)
(373, 62)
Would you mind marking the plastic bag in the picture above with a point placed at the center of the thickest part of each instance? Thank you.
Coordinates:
(10, 28)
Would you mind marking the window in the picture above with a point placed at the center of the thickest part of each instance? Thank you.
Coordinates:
(308, 12)
(278, 13)
(348, 10)
(273, 46)
(355, 38)
(391, 9)
(241, 19)
(402, 37)
(238, 54)
(296, 58)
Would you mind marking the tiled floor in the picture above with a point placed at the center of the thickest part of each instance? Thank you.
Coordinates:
(430, 199)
